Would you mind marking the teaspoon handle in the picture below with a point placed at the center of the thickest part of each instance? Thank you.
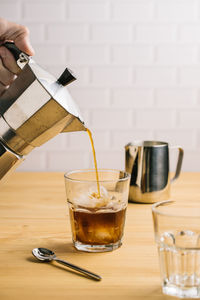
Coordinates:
(80, 270)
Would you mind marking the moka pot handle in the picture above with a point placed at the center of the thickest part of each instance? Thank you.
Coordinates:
(21, 57)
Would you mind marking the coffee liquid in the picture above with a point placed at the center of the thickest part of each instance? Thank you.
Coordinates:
(101, 228)
(95, 162)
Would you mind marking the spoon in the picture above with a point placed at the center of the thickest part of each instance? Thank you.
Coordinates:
(48, 255)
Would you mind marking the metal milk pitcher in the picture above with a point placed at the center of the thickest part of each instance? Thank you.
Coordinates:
(148, 164)
(35, 108)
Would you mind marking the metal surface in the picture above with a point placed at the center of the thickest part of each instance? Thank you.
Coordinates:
(22, 60)
(148, 164)
(44, 254)
(8, 162)
(36, 107)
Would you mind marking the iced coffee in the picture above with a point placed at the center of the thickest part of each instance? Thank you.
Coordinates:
(97, 219)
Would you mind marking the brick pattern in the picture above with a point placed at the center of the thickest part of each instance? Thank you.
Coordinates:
(138, 69)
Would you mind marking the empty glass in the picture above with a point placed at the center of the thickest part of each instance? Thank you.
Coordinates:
(177, 234)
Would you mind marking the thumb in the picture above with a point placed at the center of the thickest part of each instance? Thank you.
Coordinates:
(23, 43)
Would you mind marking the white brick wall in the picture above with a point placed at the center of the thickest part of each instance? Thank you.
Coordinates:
(156, 119)
(155, 32)
(177, 55)
(111, 33)
(45, 11)
(11, 10)
(88, 11)
(138, 69)
(90, 55)
(133, 11)
(177, 10)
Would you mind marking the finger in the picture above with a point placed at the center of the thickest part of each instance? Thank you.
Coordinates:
(17, 33)
(9, 61)
(23, 43)
(6, 77)
(2, 88)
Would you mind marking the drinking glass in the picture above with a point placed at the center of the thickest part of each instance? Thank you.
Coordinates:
(177, 234)
(97, 221)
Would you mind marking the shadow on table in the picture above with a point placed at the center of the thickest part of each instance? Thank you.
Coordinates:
(61, 246)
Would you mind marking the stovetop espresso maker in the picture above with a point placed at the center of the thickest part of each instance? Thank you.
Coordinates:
(35, 108)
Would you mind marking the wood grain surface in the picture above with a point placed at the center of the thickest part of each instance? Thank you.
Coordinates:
(34, 213)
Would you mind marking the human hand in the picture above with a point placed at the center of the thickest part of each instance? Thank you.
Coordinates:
(20, 36)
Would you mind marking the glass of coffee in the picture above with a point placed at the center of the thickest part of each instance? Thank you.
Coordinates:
(97, 211)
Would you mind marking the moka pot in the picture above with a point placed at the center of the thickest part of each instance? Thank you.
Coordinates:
(35, 108)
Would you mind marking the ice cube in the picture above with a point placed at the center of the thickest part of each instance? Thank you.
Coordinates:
(89, 198)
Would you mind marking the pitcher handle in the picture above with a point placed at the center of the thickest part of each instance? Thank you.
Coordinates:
(179, 162)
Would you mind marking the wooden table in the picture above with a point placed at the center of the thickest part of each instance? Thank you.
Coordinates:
(34, 213)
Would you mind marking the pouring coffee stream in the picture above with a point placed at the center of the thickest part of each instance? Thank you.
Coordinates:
(95, 162)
